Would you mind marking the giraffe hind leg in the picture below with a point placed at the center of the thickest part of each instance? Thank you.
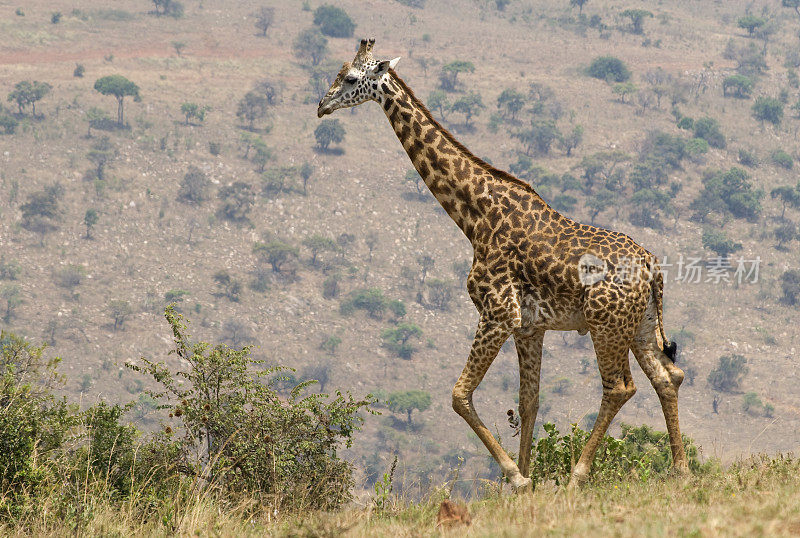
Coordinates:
(611, 348)
(488, 340)
(665, 378)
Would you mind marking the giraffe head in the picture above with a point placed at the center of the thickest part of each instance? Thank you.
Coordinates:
(358, 81)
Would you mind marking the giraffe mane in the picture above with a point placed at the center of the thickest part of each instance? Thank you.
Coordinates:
(495, 172)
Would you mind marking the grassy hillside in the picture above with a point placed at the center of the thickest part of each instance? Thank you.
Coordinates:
(151, 244)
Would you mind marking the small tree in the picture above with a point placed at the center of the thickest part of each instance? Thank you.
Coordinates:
(623, 89)
(90, 218)
(789, 197)
(768, 109)
(794, 4)
(11, 294)
(440, 292)
(192, 111)
(510, 103)
(739, 86)
(317, 244)
(101, 154)
(408, 401)
(398, 339)
(785, 233)
(194, 186)
(252, 107)
(790, 287)
(119, 311)
(276, 253)
(173, 8)
(708, 129)
(372, 301)
(41, 212)
(28, 93)
(718, 242)
(469, 105)
(229, 286)
(448, 77)
(306, 171)
(310, 45)
(120, 87)
(579, 4)
(265, 16)
(329, 132)
(637, 18)
(178, 46)
(729, 373)
(609, 68)
(438, 102)
(330, 343)
(750, 23)
(333, 21)
(237, 201)
(572, 139)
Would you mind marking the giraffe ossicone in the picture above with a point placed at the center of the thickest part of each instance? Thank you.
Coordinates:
(533, 270)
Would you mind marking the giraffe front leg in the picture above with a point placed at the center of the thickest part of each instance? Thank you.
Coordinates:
(529, 351)
(488, 340)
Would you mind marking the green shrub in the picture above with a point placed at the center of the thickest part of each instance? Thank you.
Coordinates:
(717, 241)
(748, 158)
(790, 287)
(398, 339)
(328, 132)
(609, 68)
(333, 21)
(708, 130)
(236, 431)
(372, 301)
(686, 123)
(739, 86)
(768, 109)
(641, 452)
(729, 373)
(728, 192)
(782, 159)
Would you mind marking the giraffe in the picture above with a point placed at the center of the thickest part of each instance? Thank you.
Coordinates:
(533, 270)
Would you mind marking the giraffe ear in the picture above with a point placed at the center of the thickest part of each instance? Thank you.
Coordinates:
(383, 67)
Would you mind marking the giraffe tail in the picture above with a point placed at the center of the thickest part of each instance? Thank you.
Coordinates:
(668, 348)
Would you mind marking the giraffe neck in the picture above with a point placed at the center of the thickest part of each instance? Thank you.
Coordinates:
(468, 188)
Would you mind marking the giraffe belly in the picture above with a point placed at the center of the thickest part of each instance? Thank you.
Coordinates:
(538, 314)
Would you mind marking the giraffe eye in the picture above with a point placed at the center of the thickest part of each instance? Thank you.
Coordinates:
(351, 80)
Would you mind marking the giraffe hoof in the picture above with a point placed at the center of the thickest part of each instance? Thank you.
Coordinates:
(520, 484)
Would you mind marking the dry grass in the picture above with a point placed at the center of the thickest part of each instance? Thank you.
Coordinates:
(137, 252)
(758, 497)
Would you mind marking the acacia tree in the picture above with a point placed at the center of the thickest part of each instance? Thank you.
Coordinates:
(469, 105)
(265, 16)
(120, 87)
(794, 4)
(252, 107)
(310, 45)
(328, 132)
(637, 17)
(579, 3)
(408, 401)
(448, 78)
(789, 196)
(27, 93)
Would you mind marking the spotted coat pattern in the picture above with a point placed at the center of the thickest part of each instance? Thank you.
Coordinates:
(533, 270)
